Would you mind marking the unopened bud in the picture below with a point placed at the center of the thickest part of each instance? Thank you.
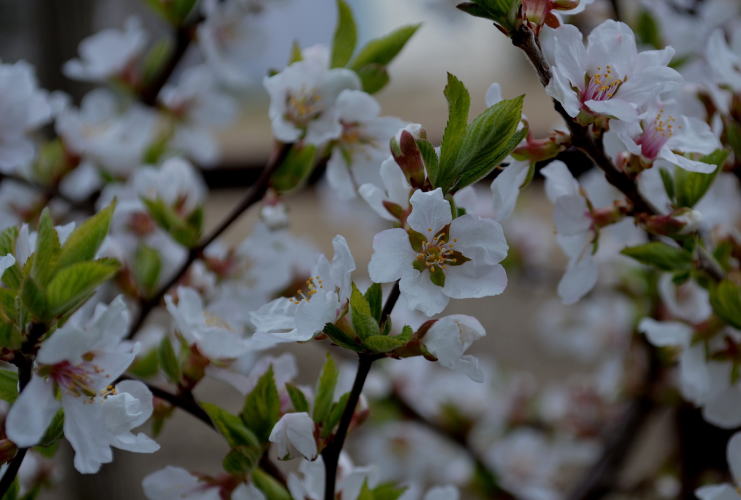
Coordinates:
(409, 159)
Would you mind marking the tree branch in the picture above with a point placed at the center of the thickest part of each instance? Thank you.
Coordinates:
(331, 453)
(254, 196)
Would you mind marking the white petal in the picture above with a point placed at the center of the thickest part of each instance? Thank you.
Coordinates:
(473, 280)
(392, 256)
(430, 212)
(733, 455)
(665, 333)
(479, 239)
(422, 294)
(31, 413)
(506, 188)
(579, 278)
(294, 432)
(559, 181)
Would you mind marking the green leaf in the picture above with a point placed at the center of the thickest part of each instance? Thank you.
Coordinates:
(147, 365)
(47, 250)
(296, 54)
(383, 50)
(383, 343)
(342, 339)
(725, 297)
(388, 491)
(169, 361)
(335, 415)
(647, 30)
(374, 297)
(154, 60)
(298, 398)
(72, 285)
(459, 103)
(8, 385)
(488, 140)
(668, 181)
(324, 391)
(169, 220)
(271, 488)
(690, 187)
(34, 299)
(295, 169)
(660, 255)
(147, 268)
(261, 408)
(362, 318)
(231, 427)
(373, 77)
(84, 242)
(429, 157)
(503, 12)
(345, 36)
(54, 431)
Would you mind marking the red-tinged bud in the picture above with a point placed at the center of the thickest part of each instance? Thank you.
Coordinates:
(536, 150)
(663, 225)
(606, 216)
(141, 224)
(535, 11)
(409, 158)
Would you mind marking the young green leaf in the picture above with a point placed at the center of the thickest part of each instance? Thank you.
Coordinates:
(362, 319)
(34, 299)
(383, 50)
(660, 255)
(84, 242)
(72, 285)
(383, 343)
(324, 391)
(335, 415)
(690, 187)
(8, 385)
(373, 77)
(271, 488)
(147, 268)
(459, 103)
(166, 217)
(430, 159)
(295, 169)
(169, 361)
(47, 249)
(488, 140)
(374, 297)
(725, 297)
(345, 36)
(231, 427)
(342, 339)
(261, 408)
(298, 398)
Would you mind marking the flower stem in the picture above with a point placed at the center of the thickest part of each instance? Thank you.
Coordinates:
(331, 454)
(253, 196)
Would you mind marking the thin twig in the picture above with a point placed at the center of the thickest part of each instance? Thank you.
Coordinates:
(331, 453)
(256, 194)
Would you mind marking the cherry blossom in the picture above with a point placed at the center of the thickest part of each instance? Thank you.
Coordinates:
(438, 258)
(450, 337)
(82, 364)
(176, 483)
(293, 435)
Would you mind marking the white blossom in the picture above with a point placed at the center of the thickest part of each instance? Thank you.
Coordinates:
(461, 255)
(450, 337)
(726, 491)
(81, 364)
(303, 100)
(299, 318)
(176, 483)
(293, 435)
(608, 76)
(108, 54)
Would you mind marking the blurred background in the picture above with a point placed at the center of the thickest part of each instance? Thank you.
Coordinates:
(47, 33)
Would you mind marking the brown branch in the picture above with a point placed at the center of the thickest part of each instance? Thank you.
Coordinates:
(256, 194)
(331, 453)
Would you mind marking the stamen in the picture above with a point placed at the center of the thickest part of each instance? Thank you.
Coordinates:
(312, 286)
(602, 85)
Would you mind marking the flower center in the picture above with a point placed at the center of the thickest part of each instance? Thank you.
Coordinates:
(310, 288)
(655, 135)
(75, 379)
(602, 85)
(303, 106)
